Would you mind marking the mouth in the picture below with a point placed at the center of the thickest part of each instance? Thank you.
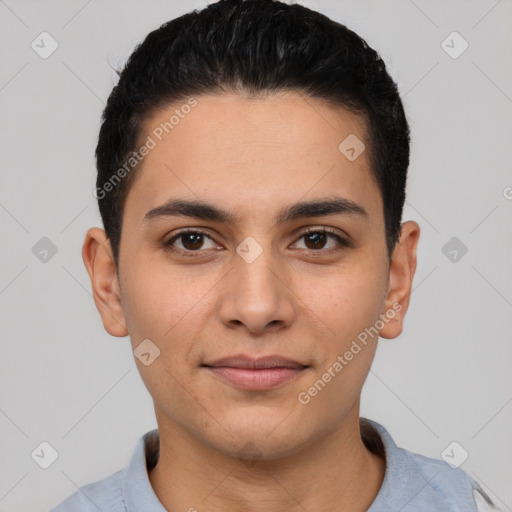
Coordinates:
(253, 374)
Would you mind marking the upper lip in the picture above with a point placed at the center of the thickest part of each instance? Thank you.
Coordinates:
(243, 361)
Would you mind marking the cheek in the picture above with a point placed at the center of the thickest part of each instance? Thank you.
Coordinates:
(348, 301)
(171, 309)
(161, 304)
(352, 305)
(168, 310)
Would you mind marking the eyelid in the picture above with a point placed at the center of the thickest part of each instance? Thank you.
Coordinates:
(322, 229)
(186, 231)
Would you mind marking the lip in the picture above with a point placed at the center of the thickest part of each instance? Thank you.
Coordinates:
(256, 374)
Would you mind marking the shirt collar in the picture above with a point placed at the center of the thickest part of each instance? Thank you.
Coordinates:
(137, 491)
(402, 481)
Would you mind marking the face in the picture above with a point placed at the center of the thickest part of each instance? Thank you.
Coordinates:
(253, 257)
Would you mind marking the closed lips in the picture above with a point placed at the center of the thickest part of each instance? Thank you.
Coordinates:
(256, 364)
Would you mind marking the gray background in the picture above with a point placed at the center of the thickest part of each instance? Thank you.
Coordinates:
(65, 381)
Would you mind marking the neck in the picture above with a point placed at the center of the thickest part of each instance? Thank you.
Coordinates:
(337, 473)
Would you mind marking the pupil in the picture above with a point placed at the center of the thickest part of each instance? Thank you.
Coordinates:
(317, 238)
(193, 241)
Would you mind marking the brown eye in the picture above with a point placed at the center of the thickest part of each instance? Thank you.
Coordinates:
(190, 241)
(317, 239)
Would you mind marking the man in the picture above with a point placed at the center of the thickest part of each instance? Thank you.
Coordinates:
(252, 167)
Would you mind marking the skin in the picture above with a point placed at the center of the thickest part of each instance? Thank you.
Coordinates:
(223, 448)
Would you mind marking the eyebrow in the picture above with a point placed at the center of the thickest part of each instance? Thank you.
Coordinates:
(200, 210)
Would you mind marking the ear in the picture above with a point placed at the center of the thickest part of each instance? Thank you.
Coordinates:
(401, 273)
(99, 262)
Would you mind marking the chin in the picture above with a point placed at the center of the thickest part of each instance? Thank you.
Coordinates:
(257, 435)
(253, 448)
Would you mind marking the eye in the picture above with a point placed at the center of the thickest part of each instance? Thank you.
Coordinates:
(190, 240)
(316, 239)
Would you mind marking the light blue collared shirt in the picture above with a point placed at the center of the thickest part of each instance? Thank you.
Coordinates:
(412, 483)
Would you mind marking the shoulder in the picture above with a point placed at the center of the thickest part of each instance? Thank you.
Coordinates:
(128, 488)
(414, 482)
(450, 487)
(104, 495)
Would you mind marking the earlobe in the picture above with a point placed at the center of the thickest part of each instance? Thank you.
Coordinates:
(98, 260)
(401, 274)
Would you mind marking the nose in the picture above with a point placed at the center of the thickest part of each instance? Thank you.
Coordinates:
(256, 296)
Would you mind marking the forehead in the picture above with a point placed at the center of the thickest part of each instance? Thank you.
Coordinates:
(258, 153)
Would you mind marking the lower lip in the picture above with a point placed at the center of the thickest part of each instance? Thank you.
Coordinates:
(255, 380)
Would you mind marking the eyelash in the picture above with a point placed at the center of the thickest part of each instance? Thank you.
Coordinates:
(344, 243)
